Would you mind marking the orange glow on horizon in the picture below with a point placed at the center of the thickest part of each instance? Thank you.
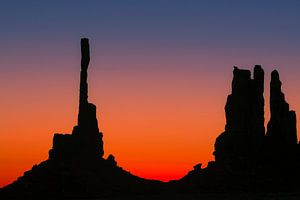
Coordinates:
(157, 125)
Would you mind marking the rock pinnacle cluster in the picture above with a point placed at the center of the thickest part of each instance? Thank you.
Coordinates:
(248, 158)
(244, 143)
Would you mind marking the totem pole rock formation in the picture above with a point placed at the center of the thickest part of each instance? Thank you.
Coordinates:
(76, 167)
(241, 143)
(281, 136)
(86, 140)
(244, 143)
(245, 157)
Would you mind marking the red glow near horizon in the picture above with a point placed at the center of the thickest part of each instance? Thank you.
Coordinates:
(157, 125)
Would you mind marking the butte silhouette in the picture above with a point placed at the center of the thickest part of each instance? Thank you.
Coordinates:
(247, 158)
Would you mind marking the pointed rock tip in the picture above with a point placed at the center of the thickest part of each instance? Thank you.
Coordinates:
(258, 72)
(84, 41)
(235, 69)
(275, 75)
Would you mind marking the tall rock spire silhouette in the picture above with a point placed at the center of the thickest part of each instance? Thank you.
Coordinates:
(76, 167)
(86, 140)
(245, 158)
(281, 136)
(85, 61)
(241, 142)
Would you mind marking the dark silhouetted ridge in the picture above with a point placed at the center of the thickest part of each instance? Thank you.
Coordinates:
(246, 158)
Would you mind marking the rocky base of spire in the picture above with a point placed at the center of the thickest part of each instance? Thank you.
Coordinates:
(85, 142)
(59, 180)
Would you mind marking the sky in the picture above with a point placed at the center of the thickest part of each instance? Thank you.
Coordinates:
(160, 73)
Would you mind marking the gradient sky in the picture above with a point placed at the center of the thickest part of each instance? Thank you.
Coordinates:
(160, 73)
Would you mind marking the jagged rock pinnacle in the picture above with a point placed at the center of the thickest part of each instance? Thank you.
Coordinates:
(281, 136)
(244, 142)
(241, 142)
(85, 60)
(86, 140)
